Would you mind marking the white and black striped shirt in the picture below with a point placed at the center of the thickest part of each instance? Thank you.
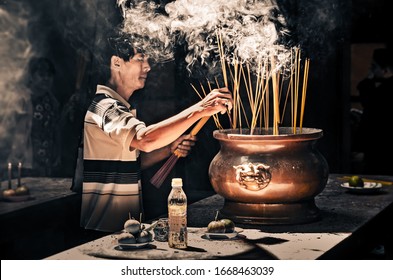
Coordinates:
(111, 177)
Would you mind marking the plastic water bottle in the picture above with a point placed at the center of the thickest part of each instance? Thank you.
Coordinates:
(177, 215)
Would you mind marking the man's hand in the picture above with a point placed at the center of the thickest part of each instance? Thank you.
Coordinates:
(218, 100)
(183, 145)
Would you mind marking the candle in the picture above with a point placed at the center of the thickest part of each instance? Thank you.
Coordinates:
(9, 175)
(19, 173)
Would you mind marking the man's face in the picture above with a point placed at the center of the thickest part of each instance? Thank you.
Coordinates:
(134, 72)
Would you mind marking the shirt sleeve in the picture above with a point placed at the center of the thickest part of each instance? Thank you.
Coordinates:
(119, 123)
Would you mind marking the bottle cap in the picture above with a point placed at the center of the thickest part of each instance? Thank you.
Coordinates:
(177, 182)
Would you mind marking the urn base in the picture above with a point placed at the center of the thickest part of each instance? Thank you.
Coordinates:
(271, 214)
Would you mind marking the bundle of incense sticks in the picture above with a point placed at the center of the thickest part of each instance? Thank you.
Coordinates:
(269, 78)
(164, 171)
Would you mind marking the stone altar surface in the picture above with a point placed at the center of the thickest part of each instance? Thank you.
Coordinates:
(349, 222)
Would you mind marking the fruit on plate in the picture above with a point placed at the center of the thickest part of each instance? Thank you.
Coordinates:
(221, 226)
(134, 229)
(229, 225)
(144, 236)
(216, 227)
(126, 238)
(356, 181)
(132, 226)
(22, 190)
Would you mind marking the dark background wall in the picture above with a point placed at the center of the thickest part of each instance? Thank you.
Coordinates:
(67, 32)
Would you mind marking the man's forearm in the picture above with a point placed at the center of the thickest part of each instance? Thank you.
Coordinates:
(149, 159)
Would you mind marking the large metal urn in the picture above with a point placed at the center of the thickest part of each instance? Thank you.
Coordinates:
(269, 179)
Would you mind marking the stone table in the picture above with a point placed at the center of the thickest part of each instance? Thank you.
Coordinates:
(350, 225)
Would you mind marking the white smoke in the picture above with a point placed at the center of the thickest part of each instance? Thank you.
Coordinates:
(15, 49)
(250, 30)
(150, 29)
(15, 52)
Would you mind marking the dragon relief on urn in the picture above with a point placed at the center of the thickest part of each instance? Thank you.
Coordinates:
(252, 176)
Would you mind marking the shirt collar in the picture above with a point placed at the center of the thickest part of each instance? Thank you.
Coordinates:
(112, 93)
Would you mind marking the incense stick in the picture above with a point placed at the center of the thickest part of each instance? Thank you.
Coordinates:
(222, 58)
(305, 78)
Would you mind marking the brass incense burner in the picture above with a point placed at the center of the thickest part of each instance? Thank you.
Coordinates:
(269, 179)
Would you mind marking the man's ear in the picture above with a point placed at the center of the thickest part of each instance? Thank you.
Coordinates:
(115, 61)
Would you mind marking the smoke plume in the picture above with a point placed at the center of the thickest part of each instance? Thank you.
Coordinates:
(249, 31)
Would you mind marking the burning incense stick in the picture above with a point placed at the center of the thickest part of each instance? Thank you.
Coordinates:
(164, 171)
(303, 103)
(222, 58)
(296, 90)
(276, 115)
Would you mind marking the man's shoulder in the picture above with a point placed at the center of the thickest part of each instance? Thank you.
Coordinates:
(103, 104)
(101, 96)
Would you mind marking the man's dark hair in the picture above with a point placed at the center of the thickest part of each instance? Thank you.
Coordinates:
(113, 43)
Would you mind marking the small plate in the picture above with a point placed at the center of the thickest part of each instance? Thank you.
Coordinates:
(369, 187)
(132, 246)
(229, 235)
(17, 198)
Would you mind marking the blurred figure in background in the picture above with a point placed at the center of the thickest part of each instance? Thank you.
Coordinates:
(376, 97)
(32, 123)
(45, 128)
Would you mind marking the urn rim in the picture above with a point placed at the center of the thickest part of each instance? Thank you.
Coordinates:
(285, 133)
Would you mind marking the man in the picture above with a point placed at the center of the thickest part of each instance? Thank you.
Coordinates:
(114, 137)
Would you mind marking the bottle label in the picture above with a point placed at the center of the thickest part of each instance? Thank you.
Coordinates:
(177, 222)
(177, 231)
(178, 239)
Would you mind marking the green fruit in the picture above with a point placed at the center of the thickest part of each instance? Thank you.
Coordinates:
(216, 227)
(356, 181)
(229, 225)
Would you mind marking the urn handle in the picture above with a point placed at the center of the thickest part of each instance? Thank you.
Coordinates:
(253, 176)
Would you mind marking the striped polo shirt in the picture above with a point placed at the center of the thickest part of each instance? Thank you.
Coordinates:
(111, 177)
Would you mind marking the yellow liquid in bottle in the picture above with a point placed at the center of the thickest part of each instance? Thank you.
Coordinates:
(177, 237)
